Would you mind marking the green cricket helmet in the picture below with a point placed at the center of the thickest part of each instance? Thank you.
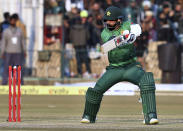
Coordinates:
(113, 13)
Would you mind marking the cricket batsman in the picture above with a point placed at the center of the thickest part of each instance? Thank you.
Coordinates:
(118, 37)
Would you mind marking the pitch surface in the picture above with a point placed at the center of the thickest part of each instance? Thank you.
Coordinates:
(63, 113)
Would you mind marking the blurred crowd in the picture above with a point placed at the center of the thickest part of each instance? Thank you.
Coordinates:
(156, 17)
(161, 20)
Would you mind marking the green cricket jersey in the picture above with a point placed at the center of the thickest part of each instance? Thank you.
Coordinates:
(121, 55)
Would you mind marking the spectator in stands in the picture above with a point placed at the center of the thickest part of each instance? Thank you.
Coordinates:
(95, 10)
(154, 8)
(4, 25)
(66, 29)
(106, 4)
(165, 32)
(98, 26)
(175, 16)
(132, 11)
(13, 44)
(141, 44)
(166, 13)
(146, 6)
(94, 38)
(177, 13)
(73, 13)
(21, 25)
(95, 20)
(151, 25)
(79, 36)
(68, 53)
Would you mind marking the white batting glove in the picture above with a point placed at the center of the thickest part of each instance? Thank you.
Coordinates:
(131, 38)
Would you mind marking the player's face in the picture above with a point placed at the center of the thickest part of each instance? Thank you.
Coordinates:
(111, 22)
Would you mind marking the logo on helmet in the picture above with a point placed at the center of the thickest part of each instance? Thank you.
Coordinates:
(108, 13)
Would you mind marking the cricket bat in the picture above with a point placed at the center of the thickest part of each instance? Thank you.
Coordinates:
(120, 40)
(113, 43)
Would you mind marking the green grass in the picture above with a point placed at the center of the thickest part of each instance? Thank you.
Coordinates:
(63, 113)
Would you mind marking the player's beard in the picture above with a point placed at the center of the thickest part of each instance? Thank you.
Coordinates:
(111, 28)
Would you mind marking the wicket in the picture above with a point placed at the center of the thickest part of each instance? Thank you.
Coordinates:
(16, 95)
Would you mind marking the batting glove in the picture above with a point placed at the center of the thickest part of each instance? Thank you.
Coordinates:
(131, 38)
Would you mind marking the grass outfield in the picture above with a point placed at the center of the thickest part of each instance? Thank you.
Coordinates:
(63, 113)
